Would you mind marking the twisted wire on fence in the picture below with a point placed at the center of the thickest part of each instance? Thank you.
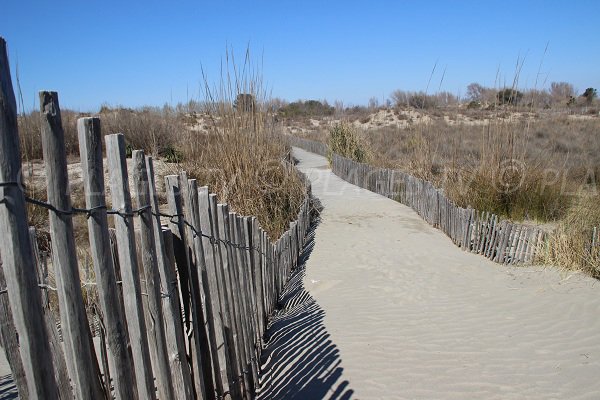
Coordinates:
(173, 218)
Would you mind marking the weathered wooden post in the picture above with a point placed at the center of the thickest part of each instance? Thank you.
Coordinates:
(90, 148)
(81, 361)
(154, 321)
(180, 369)
(219, 348)
(132, 294)
(176, 187)
(227, 265)
(15, 247)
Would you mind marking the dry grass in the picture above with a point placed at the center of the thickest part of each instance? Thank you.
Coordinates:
(529, 164)
(525, 168)
(345, 141)
(569, 245)
(239, 154)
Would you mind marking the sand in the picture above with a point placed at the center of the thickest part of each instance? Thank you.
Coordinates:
(388, 308)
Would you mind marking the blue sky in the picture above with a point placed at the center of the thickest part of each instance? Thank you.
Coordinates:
(151, 52)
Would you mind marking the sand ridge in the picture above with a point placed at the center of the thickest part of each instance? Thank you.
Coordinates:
(414, 317)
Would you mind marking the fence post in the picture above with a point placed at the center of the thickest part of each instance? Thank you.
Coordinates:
(132, 296)
(200, 302)
(238, 298)
(220, 349)
(56, 347)
(250, 267)
(9, 340)
(15, 247)
(244, 298)
(221, 261)
(180, 369)
(154, 323)
(177, 196)
(227, 265)
(81, 361)
(90, 145)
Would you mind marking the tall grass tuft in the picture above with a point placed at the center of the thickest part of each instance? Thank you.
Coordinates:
(344, 140)
(239, 154)
(569, 245)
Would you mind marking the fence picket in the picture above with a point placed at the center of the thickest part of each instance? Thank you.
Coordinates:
(126, 248)
(90, 148)
(154, 313)
(230, 289)
(79, 351)
(214, 287)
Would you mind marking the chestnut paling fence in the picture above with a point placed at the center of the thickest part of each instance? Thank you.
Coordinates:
(184, 295)
(475, 231)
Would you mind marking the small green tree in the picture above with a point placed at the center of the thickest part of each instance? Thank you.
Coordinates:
(244, 102)
(589, 95)
(422, 101)
(509, 96)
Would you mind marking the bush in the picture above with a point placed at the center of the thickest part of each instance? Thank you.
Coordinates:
(589, 95)
(509, 96)
(151, 129)
(308, 108)
(244, 102)
(344, 140)
(474, 105)
(422, 101)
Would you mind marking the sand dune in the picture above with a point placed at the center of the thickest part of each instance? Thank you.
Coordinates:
(413, 317)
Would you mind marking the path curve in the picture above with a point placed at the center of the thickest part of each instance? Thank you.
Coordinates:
(414, 317)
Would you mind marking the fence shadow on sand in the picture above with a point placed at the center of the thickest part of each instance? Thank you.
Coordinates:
(8, 390)
(300, 361)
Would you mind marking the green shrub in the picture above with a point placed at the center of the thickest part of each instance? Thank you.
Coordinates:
(172, 155)
(308, 108)
(344, 140)
(589, 95)
(422, 101)
(509, 96)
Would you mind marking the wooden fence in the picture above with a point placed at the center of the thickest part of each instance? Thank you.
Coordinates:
(185, 289)
(308, 145)
(475, 231)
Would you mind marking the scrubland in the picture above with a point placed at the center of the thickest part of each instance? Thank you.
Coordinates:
(533, 165)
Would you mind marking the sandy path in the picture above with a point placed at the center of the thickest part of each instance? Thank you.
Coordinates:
(411, 316)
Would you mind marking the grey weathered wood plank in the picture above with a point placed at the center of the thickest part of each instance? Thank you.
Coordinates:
(125, 234)
(81, 359)
(15, 247)
(202, 331)
(258, 278)
(245, 304)
(57, 351)
(180, 369)
(238, 298)
(154, 314)
(211, 281)
(250, 276)
(9, 340)
(220, 253)
(90, 149)
(179, 204)
(228, 266)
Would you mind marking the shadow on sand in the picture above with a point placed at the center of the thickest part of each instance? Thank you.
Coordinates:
(299, 360)
(8, 390)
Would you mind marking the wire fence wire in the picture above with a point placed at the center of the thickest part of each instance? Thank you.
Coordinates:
(90, 212)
